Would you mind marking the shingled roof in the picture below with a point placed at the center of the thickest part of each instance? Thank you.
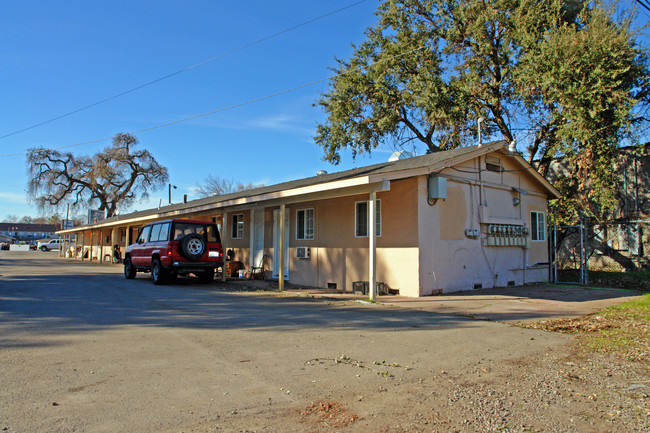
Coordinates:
(436, 160)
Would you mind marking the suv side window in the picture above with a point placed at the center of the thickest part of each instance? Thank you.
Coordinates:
(155, 232)
(144, 235)
(164, 232)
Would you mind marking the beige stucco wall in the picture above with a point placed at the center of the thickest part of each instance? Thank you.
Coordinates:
(338, 257)
(449, 259)
(241, 246)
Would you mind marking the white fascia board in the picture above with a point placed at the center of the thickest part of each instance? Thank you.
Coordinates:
(291, 195)
(420, 171)
(532, 171)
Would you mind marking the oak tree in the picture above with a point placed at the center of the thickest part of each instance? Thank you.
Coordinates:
(119, 175)
(565, 77)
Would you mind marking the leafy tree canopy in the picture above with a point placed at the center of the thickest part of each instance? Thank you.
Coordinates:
(565, 77)
(118, 175)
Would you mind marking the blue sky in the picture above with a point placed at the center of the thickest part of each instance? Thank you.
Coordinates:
(57, 57)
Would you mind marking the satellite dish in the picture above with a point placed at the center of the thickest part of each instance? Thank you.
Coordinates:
(400, 154)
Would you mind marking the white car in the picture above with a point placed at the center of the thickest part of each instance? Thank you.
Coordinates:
(54, 244)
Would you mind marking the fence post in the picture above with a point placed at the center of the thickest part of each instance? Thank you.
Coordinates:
(555, 247)
(585, 266)
(639, 246)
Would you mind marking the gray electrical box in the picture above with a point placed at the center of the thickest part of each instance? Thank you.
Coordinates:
(437, 187)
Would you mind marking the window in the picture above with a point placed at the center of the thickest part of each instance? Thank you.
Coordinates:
(237, 226)
(537, 226)
(361, 219)
(144, 236)
(305, 224)
(155, 233)
(182, 229)
(164, 232)
(492, 164)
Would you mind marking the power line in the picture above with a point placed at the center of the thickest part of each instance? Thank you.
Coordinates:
(645, 4)
(157, 80)
(218, 110)
(185, 119)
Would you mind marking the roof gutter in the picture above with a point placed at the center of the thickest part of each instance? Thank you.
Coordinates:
(279, 196)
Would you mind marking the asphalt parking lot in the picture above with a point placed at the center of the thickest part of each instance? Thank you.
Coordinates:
(83, 349)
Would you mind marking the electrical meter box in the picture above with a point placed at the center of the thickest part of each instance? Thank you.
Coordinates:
(437, 187)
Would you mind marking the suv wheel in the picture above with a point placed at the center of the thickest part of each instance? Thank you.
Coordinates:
(193, 246)
(44, 248)
(129, 269)
(157, 272)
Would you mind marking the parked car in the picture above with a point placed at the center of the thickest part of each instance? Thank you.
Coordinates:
(4, 245)
(171, 248)
(53, 244)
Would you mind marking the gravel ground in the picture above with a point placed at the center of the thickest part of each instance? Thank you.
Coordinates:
(83, 350)
(558, 391)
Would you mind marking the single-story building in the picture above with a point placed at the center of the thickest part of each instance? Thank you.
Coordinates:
(28, 232)
(455, 220)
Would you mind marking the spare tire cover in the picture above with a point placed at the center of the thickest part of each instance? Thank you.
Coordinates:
(193, 246)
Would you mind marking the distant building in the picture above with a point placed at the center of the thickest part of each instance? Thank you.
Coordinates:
(22, 232)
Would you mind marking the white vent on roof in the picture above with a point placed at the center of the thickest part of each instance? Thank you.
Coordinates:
(321, 173)
(400, 154)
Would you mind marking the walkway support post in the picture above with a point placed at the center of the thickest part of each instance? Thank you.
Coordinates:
(372, 246)
(224, 245)
(282, 247)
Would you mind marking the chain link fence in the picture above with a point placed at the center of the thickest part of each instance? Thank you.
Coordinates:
(613, 254)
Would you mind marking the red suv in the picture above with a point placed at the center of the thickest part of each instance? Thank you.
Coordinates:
(171, 248)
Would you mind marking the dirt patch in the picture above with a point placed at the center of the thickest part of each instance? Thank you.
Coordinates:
(590, 323)
(330, 414)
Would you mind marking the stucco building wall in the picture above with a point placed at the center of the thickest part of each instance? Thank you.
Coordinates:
(426, 246)
(339, 257)
(450, 260)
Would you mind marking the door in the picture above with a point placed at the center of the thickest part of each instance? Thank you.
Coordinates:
(276, 244)
(138, 249)
(258, 237)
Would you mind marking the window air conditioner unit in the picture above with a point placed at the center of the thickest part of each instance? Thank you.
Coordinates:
(302, 252)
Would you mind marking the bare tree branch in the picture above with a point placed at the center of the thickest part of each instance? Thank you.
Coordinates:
(116, 176)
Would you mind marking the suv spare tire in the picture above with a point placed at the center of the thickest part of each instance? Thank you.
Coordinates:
(193, 246)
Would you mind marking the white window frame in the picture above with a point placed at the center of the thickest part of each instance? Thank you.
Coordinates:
(237, 228)
(377, 219)
(306, 235)
(538, 235)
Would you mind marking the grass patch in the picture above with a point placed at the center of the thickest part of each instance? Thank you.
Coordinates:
(623, 329)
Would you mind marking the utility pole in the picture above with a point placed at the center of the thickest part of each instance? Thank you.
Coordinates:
(170, 192)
